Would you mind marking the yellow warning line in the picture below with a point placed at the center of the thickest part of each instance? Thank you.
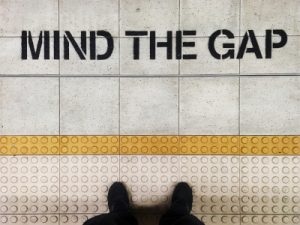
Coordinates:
(144, 145)
(75, 145)
(29, 145)
(270, 145)
(210, 145)
(150, 145)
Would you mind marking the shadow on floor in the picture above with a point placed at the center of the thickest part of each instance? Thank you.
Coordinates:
(149, 215)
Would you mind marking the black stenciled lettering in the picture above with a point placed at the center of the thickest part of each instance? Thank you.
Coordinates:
(35, 52)
(180, 44)
(255, 47)
(136, 41)
(56, 45)
(46, 45)
(160, 44)
(43, 41)
(270, 44)
(81, 51)
(24, 45)
(110, 45)
(92, 45)
(211, 44)
(35, 45)
(230, 46)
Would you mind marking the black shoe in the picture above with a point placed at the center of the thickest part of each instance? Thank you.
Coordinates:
(117, 198)
(182, 199)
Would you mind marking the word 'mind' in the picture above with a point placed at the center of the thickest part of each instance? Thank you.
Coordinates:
(176, 44)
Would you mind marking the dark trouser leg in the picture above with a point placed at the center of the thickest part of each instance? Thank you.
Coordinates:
(171, 219)
(179, 215)
(124, 218)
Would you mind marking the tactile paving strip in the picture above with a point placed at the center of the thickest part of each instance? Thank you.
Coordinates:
(29, 184)
(67, 219)
(84, 182)
(270, 219)
(89, 145)
(235, 179)
(209, 145)
(270, 145)
(75, 219)
(29, 145)
(150, 179)
(29, 219)
(270, 185)
(215, 183)
(149, 145)
(220, 219)
(167, 145)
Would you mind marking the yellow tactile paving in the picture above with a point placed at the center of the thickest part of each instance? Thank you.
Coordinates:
(29, 145)
(89, 145)
(150, 145)
(209, 145)
(270, 145)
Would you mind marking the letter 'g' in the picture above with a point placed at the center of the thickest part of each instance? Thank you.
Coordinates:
(211, 44)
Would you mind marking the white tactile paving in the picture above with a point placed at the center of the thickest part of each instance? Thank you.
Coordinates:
(220, 219)
(84, 182)
(75, 219)
(29, 219)
(268, 190)
(270, 219)
(270, 185)
(29, 185)
(215, 183)
(150, 179)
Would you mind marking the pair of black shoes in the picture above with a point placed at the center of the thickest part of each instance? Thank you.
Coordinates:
(182, 198)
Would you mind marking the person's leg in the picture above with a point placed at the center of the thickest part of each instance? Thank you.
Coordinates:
(119, 209)
(113, 219)
(180, 209)
(173, 219)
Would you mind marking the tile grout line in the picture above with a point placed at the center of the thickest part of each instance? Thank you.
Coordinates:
(239, 117)
(178, 97)
(119, 94)
(265, 75)
(59, 129)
